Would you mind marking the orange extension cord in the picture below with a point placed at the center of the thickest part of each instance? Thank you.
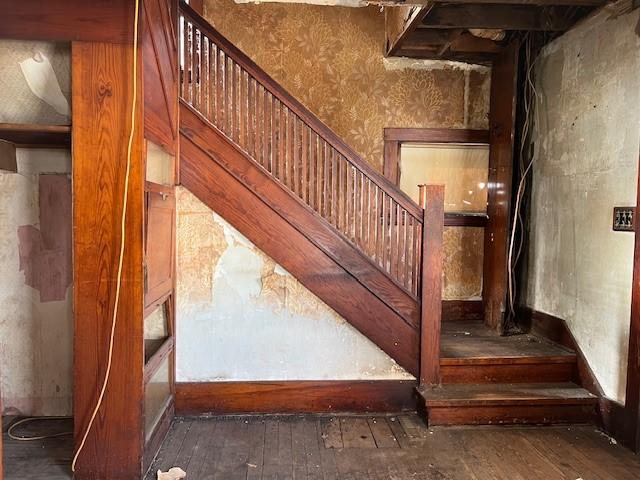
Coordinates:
(122, 238)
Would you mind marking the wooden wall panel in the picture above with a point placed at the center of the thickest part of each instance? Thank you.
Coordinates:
(295, 397)
(67, 20)
(102, 96)
(501, 137)
(160, 64)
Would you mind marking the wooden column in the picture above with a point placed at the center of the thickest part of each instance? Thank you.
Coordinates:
(101, 97)
(501, 135)
(431, 309)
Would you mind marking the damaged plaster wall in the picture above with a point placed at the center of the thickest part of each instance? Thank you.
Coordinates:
(332, 60)
(36, 322)
(587, 142)
(240, 316)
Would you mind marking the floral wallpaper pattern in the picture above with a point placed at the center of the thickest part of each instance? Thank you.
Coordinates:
(331, 59)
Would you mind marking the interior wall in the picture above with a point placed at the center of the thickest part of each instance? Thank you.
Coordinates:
(587, 143)
(35, 82)
(332, 60)
(36, 322)
(240, 316)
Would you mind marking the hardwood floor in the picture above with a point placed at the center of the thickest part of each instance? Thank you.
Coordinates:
(44, 459)
(355, 447)
(387, 447)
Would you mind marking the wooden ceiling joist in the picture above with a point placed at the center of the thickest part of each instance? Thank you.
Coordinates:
(400, 22)
(541, 3)
(493, 16)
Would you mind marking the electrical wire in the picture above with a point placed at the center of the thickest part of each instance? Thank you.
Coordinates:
(531, 117)
(122, 238)
(37, 437)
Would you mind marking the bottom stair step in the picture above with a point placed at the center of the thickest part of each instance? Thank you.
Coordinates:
(502, 403)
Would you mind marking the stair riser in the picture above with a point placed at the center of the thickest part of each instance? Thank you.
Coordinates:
(508, 373)
(511, 415)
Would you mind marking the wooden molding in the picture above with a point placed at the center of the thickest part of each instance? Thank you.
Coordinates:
(437, 135)
(616, 420)
(453, 310)
(304, 396)
(69, 20)
(502, 114)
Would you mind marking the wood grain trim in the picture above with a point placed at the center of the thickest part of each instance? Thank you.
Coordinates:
(453, 310)
(304, 113)
(431, 306)
(437, 135)
(153, 444)
(617, 420)
(455, 219)
(352, 396)
(23, 135)
(217, 147)
(106, 21)
(502, 114)
(157, 358)
(243, 208)
(101, 96)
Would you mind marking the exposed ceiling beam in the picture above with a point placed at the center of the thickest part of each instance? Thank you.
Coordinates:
(401, 22)
(559, 3)
(504, 17)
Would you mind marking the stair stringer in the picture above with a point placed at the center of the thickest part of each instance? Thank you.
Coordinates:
(236, 188)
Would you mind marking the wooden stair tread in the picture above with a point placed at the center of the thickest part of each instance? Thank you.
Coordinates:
(472, 341)
(506, 394)
(506, 360)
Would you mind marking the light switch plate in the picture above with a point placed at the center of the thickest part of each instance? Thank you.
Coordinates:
(624, 219)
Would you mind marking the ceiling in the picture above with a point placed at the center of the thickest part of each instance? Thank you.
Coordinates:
(475, 31)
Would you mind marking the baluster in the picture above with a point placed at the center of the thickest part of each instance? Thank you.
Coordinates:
(376, 224)
(222, 91)
(304, 163)
(213, 80)
(297, 145)
(242, 110)
(194, 66)
(385, 232)
(257, 136)
(237, 80)
(320, 176)
(401, 244)
(229, 98)
(282, 155)
(266, 125)
(275, 120)
(313, 174)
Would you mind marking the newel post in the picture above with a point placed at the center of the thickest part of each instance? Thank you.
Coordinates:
(432, 201)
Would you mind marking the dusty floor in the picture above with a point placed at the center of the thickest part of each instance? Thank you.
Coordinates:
(356, 447)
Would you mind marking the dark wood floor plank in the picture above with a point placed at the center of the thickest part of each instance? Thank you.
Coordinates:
(331, 433)
(356, 433)
(255, 460)
(270, 448)
(382, 434)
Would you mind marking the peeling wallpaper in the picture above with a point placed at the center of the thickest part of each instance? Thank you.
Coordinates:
(331, 59)
(36, 332)
(240, 316)
(586, 162)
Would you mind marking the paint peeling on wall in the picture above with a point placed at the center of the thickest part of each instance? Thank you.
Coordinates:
(45, 252)
(240, 316)
(586, 162)
(36, 337)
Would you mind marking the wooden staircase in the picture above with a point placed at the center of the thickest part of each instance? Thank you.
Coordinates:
(488, 379)
(271, 168)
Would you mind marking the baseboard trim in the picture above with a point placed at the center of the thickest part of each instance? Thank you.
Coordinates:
(357, 396)
(612, 416)
(453, 310)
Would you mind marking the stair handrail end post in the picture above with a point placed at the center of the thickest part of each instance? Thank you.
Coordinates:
(432, 199)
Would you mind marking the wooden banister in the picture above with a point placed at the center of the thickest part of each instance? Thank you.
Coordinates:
(431, 285)
(298, 150)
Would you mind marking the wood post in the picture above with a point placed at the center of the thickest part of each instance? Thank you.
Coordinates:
(431, 294)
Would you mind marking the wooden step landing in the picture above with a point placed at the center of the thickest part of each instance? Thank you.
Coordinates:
(471, 353)
(507, 403)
